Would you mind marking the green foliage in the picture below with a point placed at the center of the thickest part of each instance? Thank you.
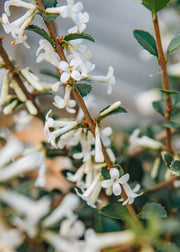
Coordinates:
(115, 111)
(83, 88)
(41, 32)
(167, 158)
(155, 5)
(49, 73)
(175, 167)
(173, 45)
(151, 209)
(147, 41)
(72, 36)
(115, 210)
(171, 124)
(159, 106)
(105, 173)
(49, 3)
(48, 17)
(169, 91)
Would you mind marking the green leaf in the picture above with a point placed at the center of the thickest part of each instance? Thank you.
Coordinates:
(169, 91)
(171, 124)
(115, 111)
(72, 36)
(147, 41)
(49, 73)
(48, 17)
(105, 173)
(167, 158)
(173, 45)
(151, 209)
(49, 3)
(83, 88)
(175, 167)
(159, 106)
(115, 210)
(155, 5)
(41, 32)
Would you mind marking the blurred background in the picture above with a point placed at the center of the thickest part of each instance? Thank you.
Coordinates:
(111, 25)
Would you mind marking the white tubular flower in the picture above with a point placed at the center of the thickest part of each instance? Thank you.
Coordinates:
(109, 79)
(48, 55)
(67, 102)
(144, 141)
(115, 181)
(4, 90)
(65, 209)
(11, 150)
(33, 210)
(69, 71)
(22, 120)
(10, 107)
(41, 179)
(77, 176)
(26, 163)
(71, 228)
(32, 79)
(131, 193)
(99, 157)
(17, 27)
(31, 108)
(92, 192)
(19, 92)
(111, 108)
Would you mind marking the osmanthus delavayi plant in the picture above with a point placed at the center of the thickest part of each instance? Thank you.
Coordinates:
(106, 177)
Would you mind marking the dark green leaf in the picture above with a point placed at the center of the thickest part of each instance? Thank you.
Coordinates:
(105, 173)
(175, 167)
(41, 32)
(171, 124)
(115, 111)
(83, 88)
(115, 210)
(159, 106)
(48, 17)
(167, 158)
(49, 73)
(174, 45)
(169, 91)
(146, 40)
(155, 5)
(110, 225)
(72, 36)
(49, 3)
(151, 209)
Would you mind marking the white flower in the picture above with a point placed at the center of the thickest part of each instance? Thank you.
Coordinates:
(4, 90)
(115, 181)
(69, 71)
(33, 210)
(22, 120)
(32, 79)
(67, 102)
(99, 157)
(49, 54)
(109, 79)
(17, 27)
(131, 193)
(114, 106)
(92, 192)
(144, 141)
(65, 209)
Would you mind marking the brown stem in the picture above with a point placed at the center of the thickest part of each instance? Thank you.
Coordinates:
(16, 77)
(91, 124)
(162, 63)
(161, 185)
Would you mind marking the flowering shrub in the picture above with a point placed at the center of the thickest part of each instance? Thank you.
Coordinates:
(77, 189)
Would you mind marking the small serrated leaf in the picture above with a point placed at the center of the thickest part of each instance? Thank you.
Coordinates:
(105, 173)
(72, 36)
(175, 167)
(159, 106)
(41, 32)
(155, 5)
(83, 88)
(174, 45)
(49, 3)
(147, 41)
(115, 210)
(171, 124)
(151, 209)
(115, 111)
(48, 17)
(167, 158)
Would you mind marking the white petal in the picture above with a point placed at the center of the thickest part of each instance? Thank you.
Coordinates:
(106, 183)
(124, 179)
(65, 77)
(116, 189)
(76, 75)
(114, 173)
(64, 66)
